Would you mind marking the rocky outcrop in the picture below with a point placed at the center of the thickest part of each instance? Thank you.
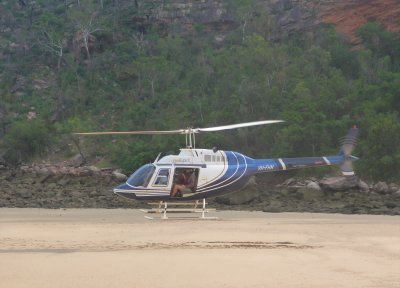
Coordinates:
(347, 16)
(52, 186)
(339, 183)
(287, 17)
(56, 186)
(328, 195)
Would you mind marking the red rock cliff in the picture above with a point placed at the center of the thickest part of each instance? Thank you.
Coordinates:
(347, 16)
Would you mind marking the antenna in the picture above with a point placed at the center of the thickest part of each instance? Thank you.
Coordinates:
(158, 157)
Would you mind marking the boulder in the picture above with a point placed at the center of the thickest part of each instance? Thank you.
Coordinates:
(94, 170)
(313, 186)
(119, 176)
(381, 187)
(339, 183)
(363, 186)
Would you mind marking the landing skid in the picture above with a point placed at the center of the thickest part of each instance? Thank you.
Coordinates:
(190, 208)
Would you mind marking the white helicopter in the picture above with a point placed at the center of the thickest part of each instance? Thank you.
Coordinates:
(201, 173)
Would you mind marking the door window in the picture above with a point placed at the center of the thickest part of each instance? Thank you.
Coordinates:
(162, 177)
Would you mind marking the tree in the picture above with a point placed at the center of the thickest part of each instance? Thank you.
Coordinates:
(84, 17)
(52, 35)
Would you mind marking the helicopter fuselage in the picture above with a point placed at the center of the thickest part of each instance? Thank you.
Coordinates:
(216, 173)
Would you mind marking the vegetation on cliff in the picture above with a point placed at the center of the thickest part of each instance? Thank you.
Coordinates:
(114, 65)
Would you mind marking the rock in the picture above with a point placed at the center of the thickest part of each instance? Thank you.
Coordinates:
(313, 186)
(310, 194)
(222, 200)
(289, 182)
(84, 171)
(44, 178)
(119, 176)
(272, 209)
(339, 183)
(337, 195)
(393, 188)
(381, 187)
(25, 194)
(94, 170)
(252, 182)
(63, 181)
(284, 191)
(243, 197)
(63, 170)
(363, 186)
(76, 161)
(294, 188)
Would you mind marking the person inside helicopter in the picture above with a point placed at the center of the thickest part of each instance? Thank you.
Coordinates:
(186, 183)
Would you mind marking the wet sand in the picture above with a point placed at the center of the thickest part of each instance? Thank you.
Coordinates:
(119, 248)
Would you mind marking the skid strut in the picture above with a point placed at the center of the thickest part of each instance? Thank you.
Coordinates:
(183, 207)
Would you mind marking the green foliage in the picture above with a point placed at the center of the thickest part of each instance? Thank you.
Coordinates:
(25, 140)
(380, 41)
(141, 74)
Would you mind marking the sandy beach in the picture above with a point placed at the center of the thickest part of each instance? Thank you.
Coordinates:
(119, 248)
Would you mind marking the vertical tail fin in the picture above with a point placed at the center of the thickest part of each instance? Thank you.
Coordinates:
(348, 144)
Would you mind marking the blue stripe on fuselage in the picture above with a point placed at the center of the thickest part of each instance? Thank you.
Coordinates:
(237, 166)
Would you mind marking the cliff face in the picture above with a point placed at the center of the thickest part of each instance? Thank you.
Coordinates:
(287, 16)
(348, 16)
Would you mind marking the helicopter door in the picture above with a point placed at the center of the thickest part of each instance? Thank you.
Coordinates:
(187, 177)
(162, 178)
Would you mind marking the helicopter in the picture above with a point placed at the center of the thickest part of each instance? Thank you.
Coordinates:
(214, 172)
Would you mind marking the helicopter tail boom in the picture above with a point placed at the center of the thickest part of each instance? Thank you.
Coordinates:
(344, 159)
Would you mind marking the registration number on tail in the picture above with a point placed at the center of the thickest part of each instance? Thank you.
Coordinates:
(266, 167)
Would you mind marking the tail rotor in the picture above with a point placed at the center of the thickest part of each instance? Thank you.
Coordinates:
(348, 144)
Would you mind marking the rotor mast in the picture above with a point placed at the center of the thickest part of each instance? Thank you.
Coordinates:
(190, 137)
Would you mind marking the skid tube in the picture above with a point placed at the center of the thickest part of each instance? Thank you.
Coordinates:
(163, 209)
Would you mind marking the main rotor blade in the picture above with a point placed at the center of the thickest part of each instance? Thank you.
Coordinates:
(239, 125)
(181, 131)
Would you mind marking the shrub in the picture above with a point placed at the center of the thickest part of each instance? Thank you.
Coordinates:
(26, 139)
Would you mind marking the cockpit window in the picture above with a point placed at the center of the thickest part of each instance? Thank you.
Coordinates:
(142, 176)
(162, 177)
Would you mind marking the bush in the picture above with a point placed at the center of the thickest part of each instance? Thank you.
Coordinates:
(25, 140)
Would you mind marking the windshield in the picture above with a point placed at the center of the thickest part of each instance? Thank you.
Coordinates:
(142, 176)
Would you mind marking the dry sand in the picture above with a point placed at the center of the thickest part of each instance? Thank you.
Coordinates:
(119, 248)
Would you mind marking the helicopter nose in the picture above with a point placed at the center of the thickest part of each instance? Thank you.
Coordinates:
(121, 188)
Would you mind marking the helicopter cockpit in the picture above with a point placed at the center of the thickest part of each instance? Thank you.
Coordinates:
(159, 177)
(142, 176)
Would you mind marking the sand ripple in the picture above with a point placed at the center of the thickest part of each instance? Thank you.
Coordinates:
(10, 245)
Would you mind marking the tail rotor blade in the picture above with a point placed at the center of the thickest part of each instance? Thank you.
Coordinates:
(348, 144)
(349, 141)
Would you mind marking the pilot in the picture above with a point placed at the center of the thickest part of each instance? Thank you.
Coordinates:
(187, 185)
